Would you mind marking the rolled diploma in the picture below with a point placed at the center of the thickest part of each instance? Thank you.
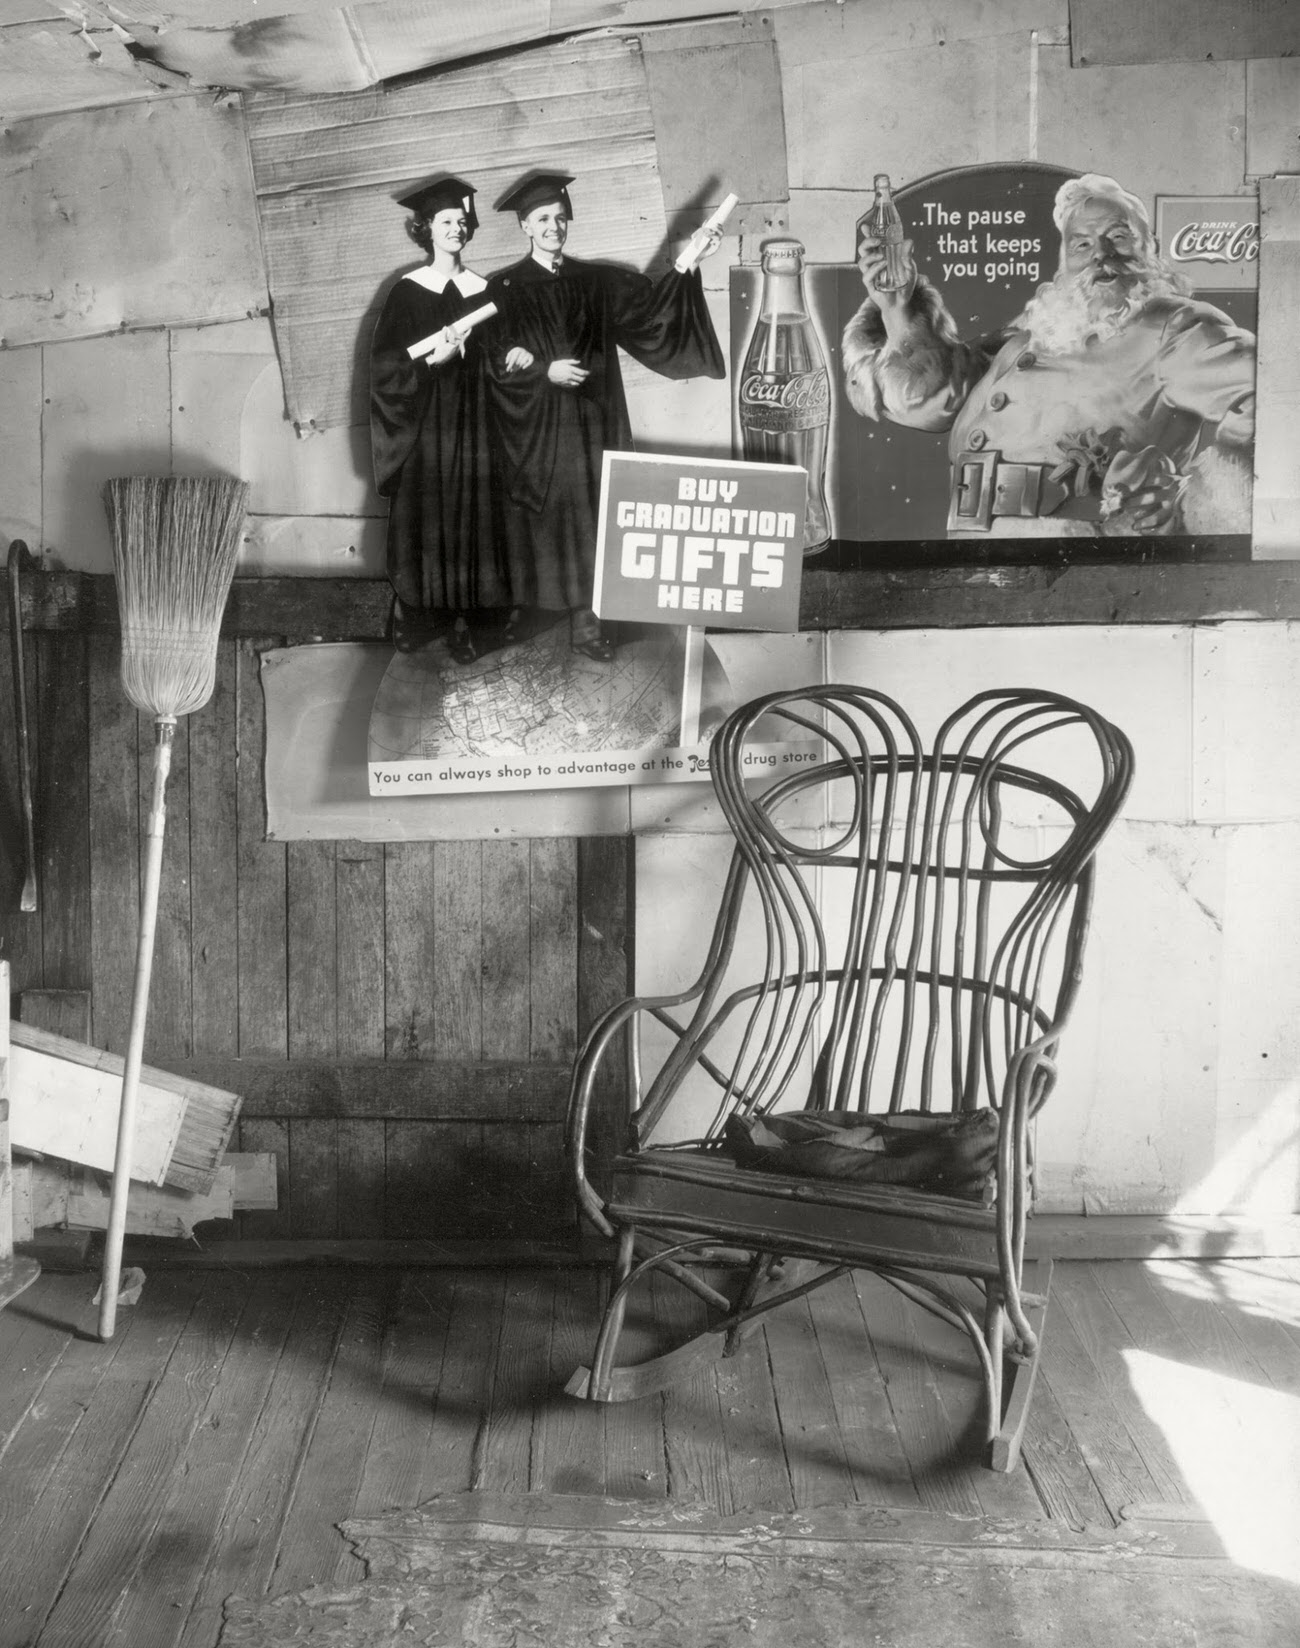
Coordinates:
(689, 255)
(426, 346)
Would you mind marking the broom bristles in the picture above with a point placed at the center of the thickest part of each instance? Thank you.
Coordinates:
(175, 544)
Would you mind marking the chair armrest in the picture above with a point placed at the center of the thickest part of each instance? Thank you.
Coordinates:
(587, 1065)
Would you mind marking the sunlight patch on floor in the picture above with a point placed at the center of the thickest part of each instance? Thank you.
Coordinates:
(1252, 1287)
(1237, 1446)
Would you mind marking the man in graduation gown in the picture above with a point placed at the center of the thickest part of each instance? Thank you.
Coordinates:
(556, 394)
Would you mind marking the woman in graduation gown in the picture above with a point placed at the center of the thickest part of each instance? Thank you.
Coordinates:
(428, 432)
(558, 399)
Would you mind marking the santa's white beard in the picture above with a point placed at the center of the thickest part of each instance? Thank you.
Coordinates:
(1070, 311)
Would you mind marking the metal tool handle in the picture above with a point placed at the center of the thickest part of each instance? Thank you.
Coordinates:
(17, 549)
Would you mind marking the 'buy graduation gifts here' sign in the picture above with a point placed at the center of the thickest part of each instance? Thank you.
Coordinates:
(711, 542)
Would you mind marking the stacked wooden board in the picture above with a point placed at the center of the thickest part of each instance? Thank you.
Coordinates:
(16, 1272)
(63, 1111)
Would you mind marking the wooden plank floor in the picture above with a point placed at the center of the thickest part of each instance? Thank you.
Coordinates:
(239, 1415)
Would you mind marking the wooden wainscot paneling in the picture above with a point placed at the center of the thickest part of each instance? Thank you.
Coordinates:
(397, 1019)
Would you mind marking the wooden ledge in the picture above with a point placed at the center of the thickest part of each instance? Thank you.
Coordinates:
(914, 597)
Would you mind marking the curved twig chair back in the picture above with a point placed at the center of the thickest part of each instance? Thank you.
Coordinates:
(900, 934)
(937, 931)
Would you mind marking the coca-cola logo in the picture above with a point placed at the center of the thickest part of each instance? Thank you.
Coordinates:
(806, 392)
(1215, 243)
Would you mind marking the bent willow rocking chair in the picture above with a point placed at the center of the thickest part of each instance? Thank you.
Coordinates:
(852, 1081)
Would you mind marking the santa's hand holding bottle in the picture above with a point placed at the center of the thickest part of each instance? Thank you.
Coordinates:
(884, 254)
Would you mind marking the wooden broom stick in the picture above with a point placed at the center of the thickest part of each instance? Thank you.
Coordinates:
(175, 542)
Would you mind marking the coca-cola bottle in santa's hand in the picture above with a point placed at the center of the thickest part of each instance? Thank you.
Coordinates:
(884, 224)
(784, 393)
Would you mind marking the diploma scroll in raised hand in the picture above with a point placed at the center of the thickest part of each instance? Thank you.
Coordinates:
(697, 245)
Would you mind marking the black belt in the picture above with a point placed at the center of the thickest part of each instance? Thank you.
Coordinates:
(983, 486)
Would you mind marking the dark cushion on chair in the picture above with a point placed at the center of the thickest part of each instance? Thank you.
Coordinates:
(949, 1155)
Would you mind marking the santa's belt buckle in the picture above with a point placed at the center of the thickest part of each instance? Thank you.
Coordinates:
(970, 503)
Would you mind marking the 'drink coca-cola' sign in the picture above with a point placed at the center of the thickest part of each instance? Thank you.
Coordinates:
(1212, 240)
(712, 542)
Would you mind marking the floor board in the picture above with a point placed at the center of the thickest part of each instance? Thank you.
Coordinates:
(335, 1458)
(243, 1555)
(126, 1525)
(168, 1577)
(876, 1456)
(568, 1436)
(939, 1461)
(694, 1444)
(414, 1346)
(213, 1445)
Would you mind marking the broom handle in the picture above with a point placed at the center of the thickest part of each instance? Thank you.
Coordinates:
(164, 731)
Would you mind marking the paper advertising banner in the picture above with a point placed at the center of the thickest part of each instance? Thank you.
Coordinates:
(539, 716)
(700, 541)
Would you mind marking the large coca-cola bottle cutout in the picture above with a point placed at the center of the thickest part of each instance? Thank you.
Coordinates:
(784, 395)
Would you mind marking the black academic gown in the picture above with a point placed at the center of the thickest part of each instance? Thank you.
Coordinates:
(548, 442)
(429, 443)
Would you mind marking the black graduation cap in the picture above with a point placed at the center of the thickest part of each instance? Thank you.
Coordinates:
(443, 194)
(537, 189)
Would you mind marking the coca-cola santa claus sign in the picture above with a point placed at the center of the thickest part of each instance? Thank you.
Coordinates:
(1021, 366)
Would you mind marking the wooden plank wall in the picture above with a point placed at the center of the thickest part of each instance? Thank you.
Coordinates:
(400, 1018)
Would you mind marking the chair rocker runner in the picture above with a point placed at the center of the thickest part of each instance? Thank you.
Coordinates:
(852, 1081)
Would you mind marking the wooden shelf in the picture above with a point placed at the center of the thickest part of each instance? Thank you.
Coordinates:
(914, 597)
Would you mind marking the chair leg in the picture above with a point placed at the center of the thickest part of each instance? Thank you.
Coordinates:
(760, 1267)
(603, 1382)
(1019, 1374)
(611, 1324)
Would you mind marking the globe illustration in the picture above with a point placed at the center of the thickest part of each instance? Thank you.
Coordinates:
(539, 698)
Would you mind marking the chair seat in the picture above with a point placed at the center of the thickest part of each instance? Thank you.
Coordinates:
(699, 1189)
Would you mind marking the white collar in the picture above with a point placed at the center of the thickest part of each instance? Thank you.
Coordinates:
(467, 283)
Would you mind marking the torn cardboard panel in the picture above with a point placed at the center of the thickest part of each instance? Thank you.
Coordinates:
(49, 66)
(313, 52)
(1163, 31)
(323, 48)
(715, 93)
(136, 216)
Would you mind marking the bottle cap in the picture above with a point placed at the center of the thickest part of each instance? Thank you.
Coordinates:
(880, 181)
(783, 256)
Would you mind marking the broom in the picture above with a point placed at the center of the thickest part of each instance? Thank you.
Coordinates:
(175, 541)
